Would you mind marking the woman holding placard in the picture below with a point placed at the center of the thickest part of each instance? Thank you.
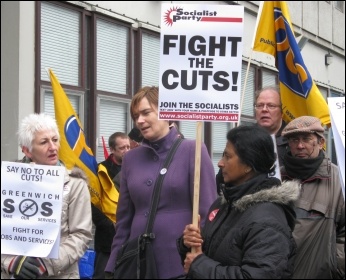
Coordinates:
(39, 139)
(248, 231)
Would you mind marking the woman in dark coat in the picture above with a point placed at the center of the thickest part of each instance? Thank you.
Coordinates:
(248, 232)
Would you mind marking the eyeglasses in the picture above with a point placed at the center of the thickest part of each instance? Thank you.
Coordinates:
(269, 106)
(296, 140)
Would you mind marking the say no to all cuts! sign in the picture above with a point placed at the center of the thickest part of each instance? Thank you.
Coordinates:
(31, 201)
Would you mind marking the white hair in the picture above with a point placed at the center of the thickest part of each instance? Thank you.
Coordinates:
(32, 124)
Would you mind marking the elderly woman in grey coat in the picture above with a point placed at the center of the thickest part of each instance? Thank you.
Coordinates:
(39, 139)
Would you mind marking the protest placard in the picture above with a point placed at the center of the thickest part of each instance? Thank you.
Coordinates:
(31, 202)
(200, 62)
(337, 115)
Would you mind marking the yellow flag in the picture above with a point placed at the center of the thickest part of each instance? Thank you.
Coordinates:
(274, 35)
(110, 194)
(74, 150)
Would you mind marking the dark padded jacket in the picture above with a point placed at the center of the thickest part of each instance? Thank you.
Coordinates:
(250, 237)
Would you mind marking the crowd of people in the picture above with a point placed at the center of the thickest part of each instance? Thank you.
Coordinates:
(251, 224)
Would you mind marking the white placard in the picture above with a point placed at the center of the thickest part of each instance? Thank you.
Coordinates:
(276, 173)
(337, 116)
(31, 201)
(200, 62)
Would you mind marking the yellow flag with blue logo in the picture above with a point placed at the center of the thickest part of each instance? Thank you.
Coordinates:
(74, 150)
(274, 35)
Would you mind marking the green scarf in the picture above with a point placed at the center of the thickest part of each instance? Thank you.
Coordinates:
(302, 168)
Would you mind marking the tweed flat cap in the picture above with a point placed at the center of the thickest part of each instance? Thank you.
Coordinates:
(304, 124)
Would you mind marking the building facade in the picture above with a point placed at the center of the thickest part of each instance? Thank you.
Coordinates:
(103, 51)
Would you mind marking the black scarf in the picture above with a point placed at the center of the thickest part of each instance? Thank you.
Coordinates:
(255, 184)
(302, 168)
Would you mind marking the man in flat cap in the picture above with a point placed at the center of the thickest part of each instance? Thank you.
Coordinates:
(320, 225)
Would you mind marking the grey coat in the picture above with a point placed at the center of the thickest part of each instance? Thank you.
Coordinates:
(320, 225)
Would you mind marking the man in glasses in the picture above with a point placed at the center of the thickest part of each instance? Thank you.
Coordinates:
(320, 223)
(268, 113)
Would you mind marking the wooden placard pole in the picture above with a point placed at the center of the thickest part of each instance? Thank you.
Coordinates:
(197, 178)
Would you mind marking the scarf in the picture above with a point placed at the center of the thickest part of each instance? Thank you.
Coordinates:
(302, 168)
(255, 184)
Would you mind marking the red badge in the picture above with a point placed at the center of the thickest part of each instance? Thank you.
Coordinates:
(213, 214)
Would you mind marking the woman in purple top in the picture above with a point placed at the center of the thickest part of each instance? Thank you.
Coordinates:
(140, 169)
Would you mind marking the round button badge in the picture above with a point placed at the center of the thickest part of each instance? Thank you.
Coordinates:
(163, 171)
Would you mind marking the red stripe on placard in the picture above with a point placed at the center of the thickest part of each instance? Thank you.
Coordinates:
(221, 19)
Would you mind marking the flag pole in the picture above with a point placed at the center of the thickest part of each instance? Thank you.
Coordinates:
(249, 62)
(244, 87)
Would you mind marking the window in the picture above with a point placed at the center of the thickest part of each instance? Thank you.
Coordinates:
(112, 68)
(188, 128)
(70, 38)
(76, 99)
(246, 102)
(150, 59)
(112, 44)
(113, 117)
(219, 130)
(60, 43)
(269, 78)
